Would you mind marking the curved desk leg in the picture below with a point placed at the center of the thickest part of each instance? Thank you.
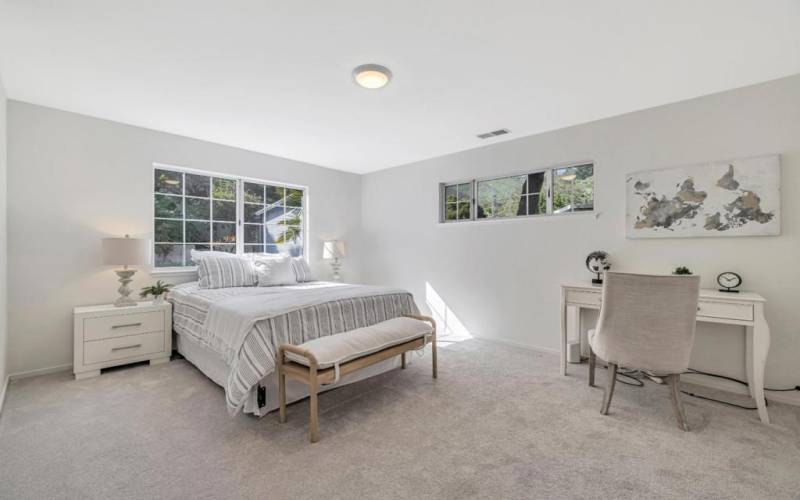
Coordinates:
(761, 341)
(748, 359)
(563, 332)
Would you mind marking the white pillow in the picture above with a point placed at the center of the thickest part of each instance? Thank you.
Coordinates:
(301, 270)
(196, 255)
(273, 272)
(224, 272)
(254, 256)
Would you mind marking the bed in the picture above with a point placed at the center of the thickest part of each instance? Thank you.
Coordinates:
(232, 335)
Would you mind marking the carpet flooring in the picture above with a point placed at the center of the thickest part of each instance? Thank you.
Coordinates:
(498, 423)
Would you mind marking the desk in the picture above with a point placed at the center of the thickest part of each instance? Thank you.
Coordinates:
(743, 309)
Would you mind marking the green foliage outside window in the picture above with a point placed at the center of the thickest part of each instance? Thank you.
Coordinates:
(573, 189)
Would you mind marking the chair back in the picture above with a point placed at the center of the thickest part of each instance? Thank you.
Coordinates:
(647, 322)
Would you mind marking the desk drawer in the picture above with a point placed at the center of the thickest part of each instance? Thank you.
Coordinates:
(108, 327)
(725, 310)
(591, 299)
(99, 351)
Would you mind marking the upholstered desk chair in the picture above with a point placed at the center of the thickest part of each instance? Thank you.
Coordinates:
(646, 323)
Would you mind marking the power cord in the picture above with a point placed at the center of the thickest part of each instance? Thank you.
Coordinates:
(692, 370)
(721, 402)
(629, 374)
(742, 382)
(635, 381)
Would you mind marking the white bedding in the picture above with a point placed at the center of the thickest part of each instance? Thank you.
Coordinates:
(246, 324)
(229, 320)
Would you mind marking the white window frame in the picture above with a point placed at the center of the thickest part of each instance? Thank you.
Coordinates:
(548, 180)
(239, 180)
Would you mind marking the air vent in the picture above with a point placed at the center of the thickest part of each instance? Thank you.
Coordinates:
(494, 133)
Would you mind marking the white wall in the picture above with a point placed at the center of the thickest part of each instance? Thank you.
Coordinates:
(3, 249)
(501, 279)
(73, 179)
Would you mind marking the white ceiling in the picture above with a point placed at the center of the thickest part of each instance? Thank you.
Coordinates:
(275, 76)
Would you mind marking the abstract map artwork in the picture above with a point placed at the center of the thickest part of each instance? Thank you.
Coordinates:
(721, 198)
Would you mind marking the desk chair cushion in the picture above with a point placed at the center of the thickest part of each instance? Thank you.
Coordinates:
(647, 322)
(347, 346)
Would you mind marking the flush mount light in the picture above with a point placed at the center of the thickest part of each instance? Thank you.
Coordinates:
(372, 76)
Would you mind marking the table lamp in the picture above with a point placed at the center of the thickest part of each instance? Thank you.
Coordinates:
(125, 252)
(334, 250)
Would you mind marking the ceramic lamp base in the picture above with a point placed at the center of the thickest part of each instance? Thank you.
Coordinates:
(336, 266)
(125, 277)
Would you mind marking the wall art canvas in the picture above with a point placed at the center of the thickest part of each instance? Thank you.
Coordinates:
(721, 198)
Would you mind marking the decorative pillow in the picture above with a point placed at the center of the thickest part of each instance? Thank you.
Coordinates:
(196, 255)
(301, 270)
(263, 255)
(225, 272)
(273, 272)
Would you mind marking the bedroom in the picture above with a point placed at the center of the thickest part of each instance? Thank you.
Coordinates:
(123, 121)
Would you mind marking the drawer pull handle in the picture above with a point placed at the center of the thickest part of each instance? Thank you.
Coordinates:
(127, 325)
(125, 347)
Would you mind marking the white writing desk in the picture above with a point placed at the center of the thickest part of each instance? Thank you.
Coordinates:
(743, 309)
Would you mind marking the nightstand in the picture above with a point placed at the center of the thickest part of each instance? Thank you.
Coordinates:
(110, 336)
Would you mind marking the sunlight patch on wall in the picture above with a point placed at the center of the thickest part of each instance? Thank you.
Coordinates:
(449, 328)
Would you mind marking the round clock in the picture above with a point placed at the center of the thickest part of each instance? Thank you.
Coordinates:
(728, 281)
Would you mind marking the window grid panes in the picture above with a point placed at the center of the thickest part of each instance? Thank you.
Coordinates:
(457, 202)
(573, 189)
(273, 219)
(546, 192)
(206, 212)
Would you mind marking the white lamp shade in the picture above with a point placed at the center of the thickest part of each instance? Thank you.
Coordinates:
(126, 252)
(333, 250)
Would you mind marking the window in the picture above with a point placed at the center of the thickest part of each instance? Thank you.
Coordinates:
(512, 196)
(458, 201)
(552, 191)
(573, 189)
(273, 219)
(207, 212)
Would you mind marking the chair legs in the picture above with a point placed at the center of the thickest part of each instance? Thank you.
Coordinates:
(609, 391)
(592, 364)
(674, 382)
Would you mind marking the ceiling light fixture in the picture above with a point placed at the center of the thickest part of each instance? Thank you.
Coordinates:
(372, 76)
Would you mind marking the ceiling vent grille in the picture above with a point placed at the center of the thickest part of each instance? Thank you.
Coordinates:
(494, 133)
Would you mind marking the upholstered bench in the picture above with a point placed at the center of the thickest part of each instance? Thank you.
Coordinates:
(326, 359)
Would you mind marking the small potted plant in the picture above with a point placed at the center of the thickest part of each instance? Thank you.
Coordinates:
(158, 291)
(681, 270)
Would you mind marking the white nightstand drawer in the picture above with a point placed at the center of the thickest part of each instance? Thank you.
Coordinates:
(99, 351)
(108, 327)
(725, 310)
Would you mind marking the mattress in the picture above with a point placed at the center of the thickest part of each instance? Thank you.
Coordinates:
(243, 327)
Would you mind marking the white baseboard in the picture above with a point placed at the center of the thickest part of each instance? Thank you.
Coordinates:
(40, 371)
(519, 345)
(3, 392)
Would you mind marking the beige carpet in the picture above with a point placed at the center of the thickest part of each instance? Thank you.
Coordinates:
(499, 423)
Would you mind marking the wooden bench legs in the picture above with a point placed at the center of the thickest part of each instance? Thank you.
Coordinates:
(434, 361)
(314, 377)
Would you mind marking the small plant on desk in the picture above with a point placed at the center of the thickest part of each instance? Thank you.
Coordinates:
(682, 270)
(158, 291)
